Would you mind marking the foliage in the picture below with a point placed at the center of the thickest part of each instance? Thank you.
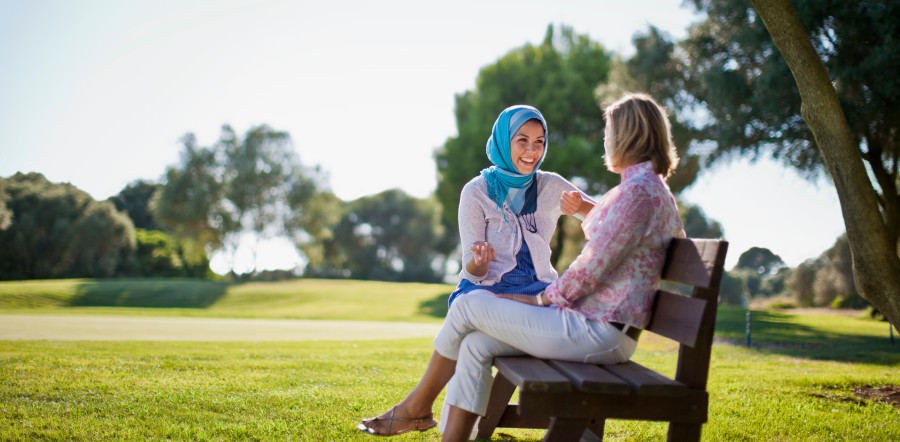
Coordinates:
(759, 273)
(191, 201)
(389, 236)
(159, 254)
(802, 280)
(732, 290)
(742, 99)
(558, 77)
(134, 200)
(5, 213)
(253, 184)
(697, 225)
(760, 260)
(59, 231)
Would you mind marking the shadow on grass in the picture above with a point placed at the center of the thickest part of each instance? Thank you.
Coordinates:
(154, 293)
(435, 307)
(775, 333)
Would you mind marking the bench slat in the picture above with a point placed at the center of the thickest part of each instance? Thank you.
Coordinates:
(646, 381)
(531, 374)
(591, 378)
(677, 317)
(691, 261)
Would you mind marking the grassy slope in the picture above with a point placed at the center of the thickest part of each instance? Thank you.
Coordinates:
(295, 299)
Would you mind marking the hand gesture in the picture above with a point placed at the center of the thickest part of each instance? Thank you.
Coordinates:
(570, 202)
(482, 253)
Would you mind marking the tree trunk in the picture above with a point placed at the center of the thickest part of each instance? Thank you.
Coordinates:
(876, 266)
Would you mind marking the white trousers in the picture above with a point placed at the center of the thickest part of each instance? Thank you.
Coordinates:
(480, 326)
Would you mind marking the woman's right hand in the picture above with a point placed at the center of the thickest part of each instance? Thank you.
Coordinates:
(570, 202)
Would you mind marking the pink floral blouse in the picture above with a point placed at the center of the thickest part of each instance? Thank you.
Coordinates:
(615, 277)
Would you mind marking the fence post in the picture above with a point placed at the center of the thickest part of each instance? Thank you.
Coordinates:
(747, 327)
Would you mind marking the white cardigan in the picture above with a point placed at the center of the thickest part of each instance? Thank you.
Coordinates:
(481, 220)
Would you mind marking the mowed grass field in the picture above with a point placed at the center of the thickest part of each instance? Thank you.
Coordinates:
(293, 299)
(805, 377)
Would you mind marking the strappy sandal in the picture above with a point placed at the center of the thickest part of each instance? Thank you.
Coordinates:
(419, 424)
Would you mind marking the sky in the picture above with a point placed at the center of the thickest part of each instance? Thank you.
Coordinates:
(97, 93)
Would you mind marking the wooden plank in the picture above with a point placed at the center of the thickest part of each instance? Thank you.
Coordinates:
(691, 261)
(530, 374)
(690, 408)
(645, 381)
(591, 378)
(579, 405)
(677, 317)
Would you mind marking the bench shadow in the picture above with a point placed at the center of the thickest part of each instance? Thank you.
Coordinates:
(773, 333)
(435, 307)
(151, 293)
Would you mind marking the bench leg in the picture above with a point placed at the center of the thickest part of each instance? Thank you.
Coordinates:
(501, 391)
(565, 430)
(683, 432)
(594, 431)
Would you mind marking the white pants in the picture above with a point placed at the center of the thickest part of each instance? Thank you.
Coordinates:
(480, 326)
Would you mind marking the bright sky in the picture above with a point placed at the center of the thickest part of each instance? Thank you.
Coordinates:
(97, 93)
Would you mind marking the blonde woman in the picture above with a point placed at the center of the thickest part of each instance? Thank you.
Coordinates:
(586, 315)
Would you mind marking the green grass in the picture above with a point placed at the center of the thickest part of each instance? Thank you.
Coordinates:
(794, 384)
(294, 299)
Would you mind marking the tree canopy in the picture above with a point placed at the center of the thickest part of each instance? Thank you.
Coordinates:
(59, 231)
(389, 236)
(872, 235)
(252, 184)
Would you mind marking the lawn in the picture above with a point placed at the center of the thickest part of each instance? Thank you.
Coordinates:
(293, 299)
(798, 382)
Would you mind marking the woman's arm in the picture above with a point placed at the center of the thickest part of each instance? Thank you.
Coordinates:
(577, 203)
(472, 227)
(610, 242)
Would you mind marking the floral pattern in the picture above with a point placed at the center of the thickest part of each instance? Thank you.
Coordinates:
(615, 277)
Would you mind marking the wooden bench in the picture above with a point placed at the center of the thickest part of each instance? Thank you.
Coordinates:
(573, 400)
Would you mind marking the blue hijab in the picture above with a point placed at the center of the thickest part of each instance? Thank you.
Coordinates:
(504, 183)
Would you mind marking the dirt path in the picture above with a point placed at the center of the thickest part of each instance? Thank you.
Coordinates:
(106, 328)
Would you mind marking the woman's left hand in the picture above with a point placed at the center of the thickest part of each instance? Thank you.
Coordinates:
(525, 299)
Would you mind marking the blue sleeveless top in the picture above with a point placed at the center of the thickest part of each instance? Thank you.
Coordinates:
(522, 279)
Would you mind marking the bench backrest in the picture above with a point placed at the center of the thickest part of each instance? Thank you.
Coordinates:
(690, 320)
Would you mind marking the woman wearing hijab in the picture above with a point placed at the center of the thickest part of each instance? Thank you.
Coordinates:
(507, 216)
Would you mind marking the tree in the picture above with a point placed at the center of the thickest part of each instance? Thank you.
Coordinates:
(257, 178)
(5, 213)
(834, 283)
(697, 225)
(191, 201)
(159, 254)
(251, 185)
(312, 224)
(59, 231)
(134, 200)
(760, 260)
(389, 236)
(873, 236)
(802, 280)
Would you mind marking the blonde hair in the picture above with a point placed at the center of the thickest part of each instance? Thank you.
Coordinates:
(640, 131)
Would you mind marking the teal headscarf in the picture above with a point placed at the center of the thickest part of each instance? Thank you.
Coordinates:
(504, 182)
